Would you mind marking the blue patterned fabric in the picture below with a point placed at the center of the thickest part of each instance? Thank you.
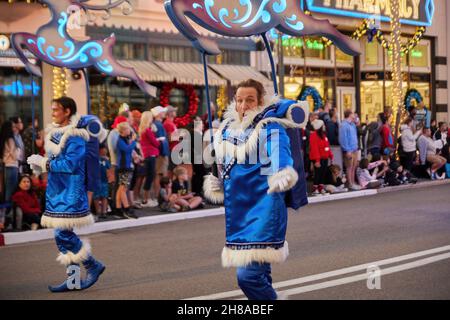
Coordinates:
(66, 195)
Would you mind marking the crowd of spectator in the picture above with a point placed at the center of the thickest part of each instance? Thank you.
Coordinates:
(136, 168)
(351, 155)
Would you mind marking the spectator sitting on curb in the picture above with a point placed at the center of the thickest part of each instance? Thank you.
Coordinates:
(369, 180)
(166, 199)
(187, 200)
(334, 183)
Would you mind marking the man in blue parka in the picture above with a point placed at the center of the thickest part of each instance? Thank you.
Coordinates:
(253, 149)
(66, 204)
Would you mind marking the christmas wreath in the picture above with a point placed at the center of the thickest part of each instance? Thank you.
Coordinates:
(164, 100)
(412, 94)
(311, 91)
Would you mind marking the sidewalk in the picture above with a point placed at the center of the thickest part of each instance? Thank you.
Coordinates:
(154, 216)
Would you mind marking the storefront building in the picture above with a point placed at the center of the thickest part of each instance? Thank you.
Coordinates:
(364, 83)
(148, 41)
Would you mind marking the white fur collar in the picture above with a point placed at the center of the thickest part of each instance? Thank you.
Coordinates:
(231, 117)
(68, 131)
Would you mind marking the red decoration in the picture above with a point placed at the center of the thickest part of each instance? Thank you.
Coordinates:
(164, 98)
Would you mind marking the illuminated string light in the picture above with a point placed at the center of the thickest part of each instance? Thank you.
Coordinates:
(60, 83)
(396, 47)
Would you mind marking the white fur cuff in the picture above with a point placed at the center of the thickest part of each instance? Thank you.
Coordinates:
(288, 177)
(78, 257)
(242, 258)
(43, 164)
(210, 189)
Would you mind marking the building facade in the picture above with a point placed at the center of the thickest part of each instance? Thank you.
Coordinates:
(148, 41)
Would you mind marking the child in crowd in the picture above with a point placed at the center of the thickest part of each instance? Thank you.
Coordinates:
(166, 199)
(187, 200)
(26, 199)
(369, 180)
(397, 175)
(125, 146)
(334, 183)
(319, 154)
(101, 196)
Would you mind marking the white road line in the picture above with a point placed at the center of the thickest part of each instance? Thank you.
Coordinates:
(292, 282)
(338, 282)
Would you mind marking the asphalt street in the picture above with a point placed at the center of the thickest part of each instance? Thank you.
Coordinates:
(179, 260)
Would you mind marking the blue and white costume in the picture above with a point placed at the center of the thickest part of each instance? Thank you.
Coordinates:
(256, 156)
(66, 197)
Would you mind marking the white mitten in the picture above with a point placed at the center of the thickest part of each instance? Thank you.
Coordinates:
(213, 189)
(37, 171)
(38, 161)
(283, 180)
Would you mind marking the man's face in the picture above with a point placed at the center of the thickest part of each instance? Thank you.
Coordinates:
(59, 114)
(246, 100)
(351, 117)
(444, 128)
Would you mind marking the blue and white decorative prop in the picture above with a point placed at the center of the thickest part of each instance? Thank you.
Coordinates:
(52, 44)
(244, 18)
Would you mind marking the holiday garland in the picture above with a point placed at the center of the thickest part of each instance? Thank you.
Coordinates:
(164, 99)
(365, 28)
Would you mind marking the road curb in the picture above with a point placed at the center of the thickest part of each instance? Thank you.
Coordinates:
(11, 238)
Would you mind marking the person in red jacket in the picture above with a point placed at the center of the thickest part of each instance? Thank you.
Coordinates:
(387, 144)
(26, 199)
(319, 154)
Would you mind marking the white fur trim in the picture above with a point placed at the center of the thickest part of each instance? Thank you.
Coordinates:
(242, 258)
(216, 197)
(66, 223)
(78, 257)
(227, 148)
(68, 131)
(43, 164)
(102, 135)
(281, 175)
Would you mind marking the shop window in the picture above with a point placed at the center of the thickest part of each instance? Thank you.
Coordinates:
(343, 58)
(314, 48)
(390, 57)
(371, 100)
(371, 53)
(419, 56)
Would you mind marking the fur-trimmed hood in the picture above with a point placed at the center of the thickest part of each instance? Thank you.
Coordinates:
(64, 133)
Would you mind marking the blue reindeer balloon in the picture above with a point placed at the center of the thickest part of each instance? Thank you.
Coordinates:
(54, 45)
(241, 18)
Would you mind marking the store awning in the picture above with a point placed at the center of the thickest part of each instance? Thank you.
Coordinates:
(190, 73)
(238, 73)
(147, 70)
